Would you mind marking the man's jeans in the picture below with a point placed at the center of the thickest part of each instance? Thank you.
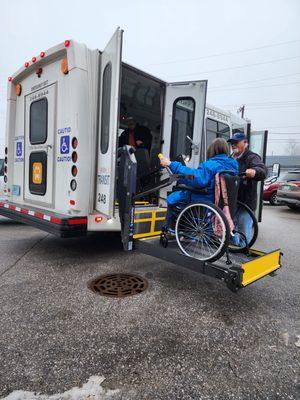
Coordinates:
(243, 223)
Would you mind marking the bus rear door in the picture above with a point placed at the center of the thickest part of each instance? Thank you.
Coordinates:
(258, 144)
(183, 120)
(184, 113)
(109, 76)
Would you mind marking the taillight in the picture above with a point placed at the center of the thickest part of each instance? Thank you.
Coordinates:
(67, 43)
(9, 78)
(72, 202)
(42, 54)
(74, 170)
(33, 59)
(74, 157)
(26, 65)
(74, 143)
(98, 219)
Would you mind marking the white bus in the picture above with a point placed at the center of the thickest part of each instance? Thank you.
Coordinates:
(65, 110)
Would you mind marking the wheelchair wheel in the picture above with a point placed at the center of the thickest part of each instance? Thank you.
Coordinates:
(202, 231)
(238, 244)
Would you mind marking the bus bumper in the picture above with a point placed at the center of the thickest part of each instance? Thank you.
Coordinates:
(57, 224)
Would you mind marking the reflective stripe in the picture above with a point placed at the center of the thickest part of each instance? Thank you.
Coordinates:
(49, 218)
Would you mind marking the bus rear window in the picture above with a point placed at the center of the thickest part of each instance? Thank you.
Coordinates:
(38, 122)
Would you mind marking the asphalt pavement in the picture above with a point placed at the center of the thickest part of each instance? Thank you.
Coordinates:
(186, 337)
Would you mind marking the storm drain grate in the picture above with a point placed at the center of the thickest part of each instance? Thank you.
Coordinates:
(118, 285)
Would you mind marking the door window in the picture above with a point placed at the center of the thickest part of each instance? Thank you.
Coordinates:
(105, 109)
(182, 126)
(38, 121)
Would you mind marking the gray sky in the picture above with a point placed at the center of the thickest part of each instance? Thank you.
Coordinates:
(248, 50)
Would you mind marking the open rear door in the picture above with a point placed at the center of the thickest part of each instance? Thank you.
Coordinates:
(183, 117)
(258, 144)
(109, 81)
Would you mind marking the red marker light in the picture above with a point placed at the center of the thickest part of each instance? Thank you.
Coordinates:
(67, 43)
(74, 143)
(33, 59)
(26, 65)
(72, 202)
(9, 78)
(42, 54)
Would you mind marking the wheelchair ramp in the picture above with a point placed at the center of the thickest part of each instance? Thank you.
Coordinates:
(243, 270)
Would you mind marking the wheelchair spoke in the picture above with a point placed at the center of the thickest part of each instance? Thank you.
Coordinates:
(200, 231)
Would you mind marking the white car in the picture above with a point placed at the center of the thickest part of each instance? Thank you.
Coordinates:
(1, 178)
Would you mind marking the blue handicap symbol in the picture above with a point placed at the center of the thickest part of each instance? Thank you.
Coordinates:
(64, 144)
(19, 149)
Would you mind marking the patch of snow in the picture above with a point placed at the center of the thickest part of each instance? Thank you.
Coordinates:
(92, 390)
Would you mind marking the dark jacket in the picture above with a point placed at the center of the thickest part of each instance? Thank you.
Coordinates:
(248, 187)
(140, 133)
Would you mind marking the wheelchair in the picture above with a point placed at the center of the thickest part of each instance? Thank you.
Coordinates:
(203, 231)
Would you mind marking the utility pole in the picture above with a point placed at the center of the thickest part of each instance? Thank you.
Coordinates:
(241, 110)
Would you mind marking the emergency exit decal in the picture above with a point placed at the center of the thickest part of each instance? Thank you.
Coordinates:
(37, 173)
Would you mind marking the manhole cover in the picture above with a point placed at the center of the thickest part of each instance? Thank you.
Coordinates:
(118, 285)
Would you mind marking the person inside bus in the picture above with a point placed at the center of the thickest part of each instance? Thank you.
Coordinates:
(203, 177)
(136, 135)
(255, 170)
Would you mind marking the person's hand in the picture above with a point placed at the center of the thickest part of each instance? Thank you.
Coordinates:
(164, 162)
(250, 173)
(139, 142)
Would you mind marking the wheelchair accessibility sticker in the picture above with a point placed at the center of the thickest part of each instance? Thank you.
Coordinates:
(19, 148)
(65, 145)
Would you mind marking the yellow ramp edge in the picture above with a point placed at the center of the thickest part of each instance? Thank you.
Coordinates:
(261, 266)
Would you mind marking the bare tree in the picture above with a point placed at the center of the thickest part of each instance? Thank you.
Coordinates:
(293, 147)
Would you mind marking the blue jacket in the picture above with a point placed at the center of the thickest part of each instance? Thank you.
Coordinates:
(204, 177)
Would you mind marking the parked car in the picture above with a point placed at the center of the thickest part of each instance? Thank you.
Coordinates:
(289, 194)
(272, 184)
(1, 178)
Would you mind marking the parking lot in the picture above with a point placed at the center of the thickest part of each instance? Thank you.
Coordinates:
(186, 337)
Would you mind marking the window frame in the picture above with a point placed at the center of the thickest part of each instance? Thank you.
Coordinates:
(30, 121)
(174, 122)
(104, 139)
(216, 132)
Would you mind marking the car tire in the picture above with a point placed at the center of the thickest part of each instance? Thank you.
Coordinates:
(293, 207)
(273, 199)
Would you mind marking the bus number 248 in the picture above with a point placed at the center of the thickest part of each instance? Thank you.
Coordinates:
(102, 198)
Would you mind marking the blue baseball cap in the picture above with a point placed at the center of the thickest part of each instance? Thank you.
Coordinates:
(237, 137)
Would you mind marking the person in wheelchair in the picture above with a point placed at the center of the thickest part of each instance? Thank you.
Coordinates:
(201, 178)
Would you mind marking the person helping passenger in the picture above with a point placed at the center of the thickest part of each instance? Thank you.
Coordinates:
(136, 135)
(255, 170)
(202, 178)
